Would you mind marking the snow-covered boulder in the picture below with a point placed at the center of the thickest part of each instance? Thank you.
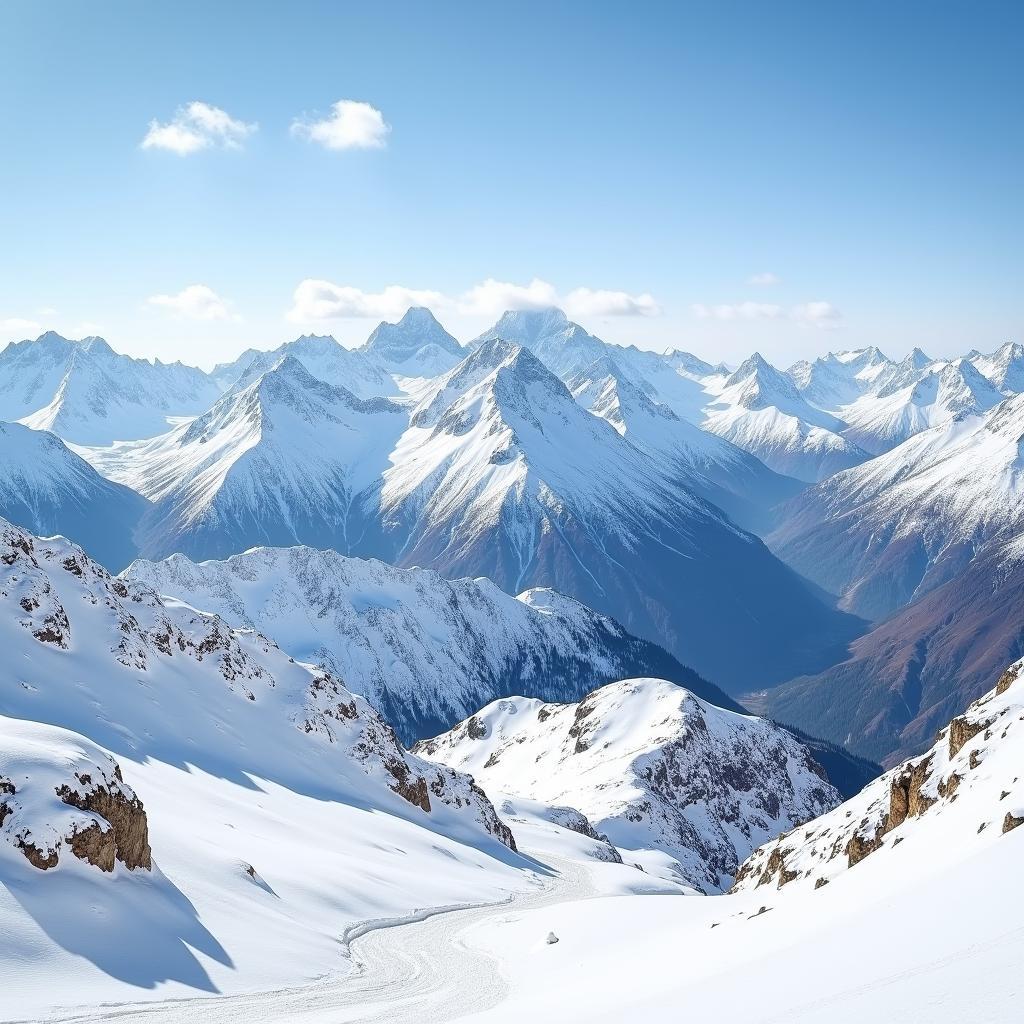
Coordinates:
(59, 792)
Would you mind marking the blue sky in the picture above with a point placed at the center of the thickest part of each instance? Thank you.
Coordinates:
(646, 164)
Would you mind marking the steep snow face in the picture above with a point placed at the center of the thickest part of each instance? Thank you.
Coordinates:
(714, 468)
(417, 346)
(963, 794)
(887, 532)
(260, 778)
(1004, 367)
(322, 356)
(759, 409)
(423, 650)
(683, 787)
(879, 422)
(503, 474)
(87, 393)
(279, 461)
(47, 489)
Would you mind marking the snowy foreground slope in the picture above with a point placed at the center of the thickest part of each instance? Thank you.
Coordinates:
(924, 928)
(273, 801)
(682, 787)
(424, 650)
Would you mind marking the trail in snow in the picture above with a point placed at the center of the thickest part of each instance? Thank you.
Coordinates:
(416, 971)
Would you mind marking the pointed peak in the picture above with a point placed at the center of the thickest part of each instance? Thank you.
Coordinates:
(918, 359)
(97, 346)
(418, 316)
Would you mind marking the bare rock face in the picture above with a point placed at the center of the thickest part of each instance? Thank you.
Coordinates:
(970, 773)
(69, 795)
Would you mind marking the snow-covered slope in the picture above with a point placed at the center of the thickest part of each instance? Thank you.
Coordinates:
(716, 469)
(927, 928)
(887, 532)
(1004, 367)
(276, 802)
(416, 346)
(425, 651)
(322, 356)
(87, 393)
(503, 474)
(759, 409)
(280, 461)
(47, 489)
(965, 792)
(683, 787)
(879, 421)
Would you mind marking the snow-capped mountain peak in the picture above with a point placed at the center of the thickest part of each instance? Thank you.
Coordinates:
(415, 346)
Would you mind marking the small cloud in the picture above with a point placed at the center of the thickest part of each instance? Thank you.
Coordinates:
(588, 302)
(764, 279)
(197, 126)
(196, 302)
(738, 311)
(816, 314)
(322, 300)
(492, 297)
(17, 328)
(350, 125)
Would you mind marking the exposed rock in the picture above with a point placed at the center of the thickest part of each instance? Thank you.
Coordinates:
(128, 836)
(1011, 822)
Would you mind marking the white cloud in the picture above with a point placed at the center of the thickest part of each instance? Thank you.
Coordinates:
(764, 279)
(196, 302)
(350, 125)
(322, 300)
(816, 314)
(492, 297)
(589, 302)
(16, 328)
(808, 314)
(197, 126)
(738, 311)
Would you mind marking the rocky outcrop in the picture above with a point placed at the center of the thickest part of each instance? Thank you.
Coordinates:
(70, 795)
(967, 776)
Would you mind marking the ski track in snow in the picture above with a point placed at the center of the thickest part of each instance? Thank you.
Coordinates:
(403, 972)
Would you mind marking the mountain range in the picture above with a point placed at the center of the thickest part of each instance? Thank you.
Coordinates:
(851, 518)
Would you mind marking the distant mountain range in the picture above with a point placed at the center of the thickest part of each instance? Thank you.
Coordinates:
(539, 455)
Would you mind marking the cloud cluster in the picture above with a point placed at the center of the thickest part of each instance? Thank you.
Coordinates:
(197, 126)
(324, 300)
(350, 125)
(196, 302)
(764, 279)
(809, 314)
